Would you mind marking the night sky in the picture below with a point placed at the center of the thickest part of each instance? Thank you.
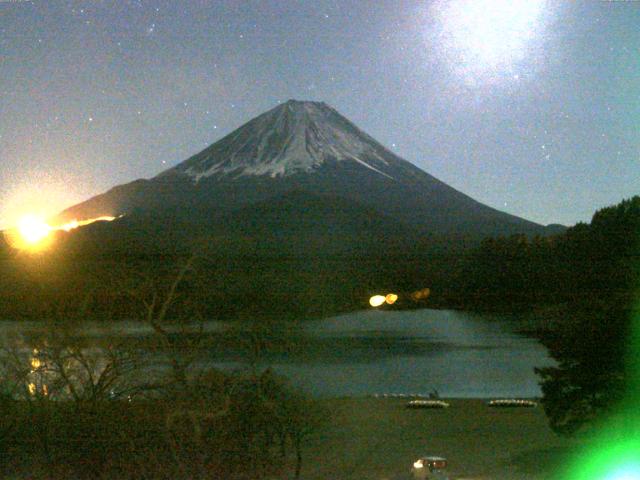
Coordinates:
(532, 107)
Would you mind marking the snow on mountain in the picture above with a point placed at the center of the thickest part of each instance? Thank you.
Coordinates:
(302, 148)
(296, 137)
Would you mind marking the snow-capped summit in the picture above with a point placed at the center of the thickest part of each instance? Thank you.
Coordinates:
(295, 137)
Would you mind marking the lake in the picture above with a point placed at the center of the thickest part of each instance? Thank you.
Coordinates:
(394, 352)
(414, 352)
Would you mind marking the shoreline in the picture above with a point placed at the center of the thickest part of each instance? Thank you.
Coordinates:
(478, 441)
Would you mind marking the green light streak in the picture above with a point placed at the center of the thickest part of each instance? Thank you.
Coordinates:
(633, 365)
(613, 453)
(608, 458)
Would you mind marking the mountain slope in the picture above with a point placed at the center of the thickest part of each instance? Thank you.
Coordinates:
(304, 147)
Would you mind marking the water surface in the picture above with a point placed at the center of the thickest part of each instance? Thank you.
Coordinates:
(415, 352)
(389, 352)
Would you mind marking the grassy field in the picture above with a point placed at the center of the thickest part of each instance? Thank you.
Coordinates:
(371, 438)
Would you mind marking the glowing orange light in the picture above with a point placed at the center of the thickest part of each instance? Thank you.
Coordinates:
(34, 233)
(35, 363)
(31, 233)
(67, 227)
(421, 294)
(391, 298)
(33, 229)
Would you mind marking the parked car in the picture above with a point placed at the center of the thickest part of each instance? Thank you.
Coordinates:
(430, 468)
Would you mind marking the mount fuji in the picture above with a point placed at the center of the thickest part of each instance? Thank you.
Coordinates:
(295, 161)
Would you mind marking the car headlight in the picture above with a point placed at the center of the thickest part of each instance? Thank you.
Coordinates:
(418, 464)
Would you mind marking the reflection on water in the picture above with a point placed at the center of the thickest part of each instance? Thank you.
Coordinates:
(458, 354)
(375, 352)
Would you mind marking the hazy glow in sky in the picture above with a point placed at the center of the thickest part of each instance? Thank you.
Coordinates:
(38, 192)
(529, 106)
(483, 36)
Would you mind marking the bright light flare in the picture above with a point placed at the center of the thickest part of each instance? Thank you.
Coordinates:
(610, 458)
(33, 229)
(35, 363)
(482, 36)
(627, 472)
(391, 298)
(67, 227)
(33, 233)
(377, 300)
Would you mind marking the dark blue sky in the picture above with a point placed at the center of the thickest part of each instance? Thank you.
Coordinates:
(532, 109)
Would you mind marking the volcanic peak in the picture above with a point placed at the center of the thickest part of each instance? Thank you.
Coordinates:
(295, 137)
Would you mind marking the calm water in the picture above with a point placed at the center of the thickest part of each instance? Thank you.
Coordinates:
(377, 352)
